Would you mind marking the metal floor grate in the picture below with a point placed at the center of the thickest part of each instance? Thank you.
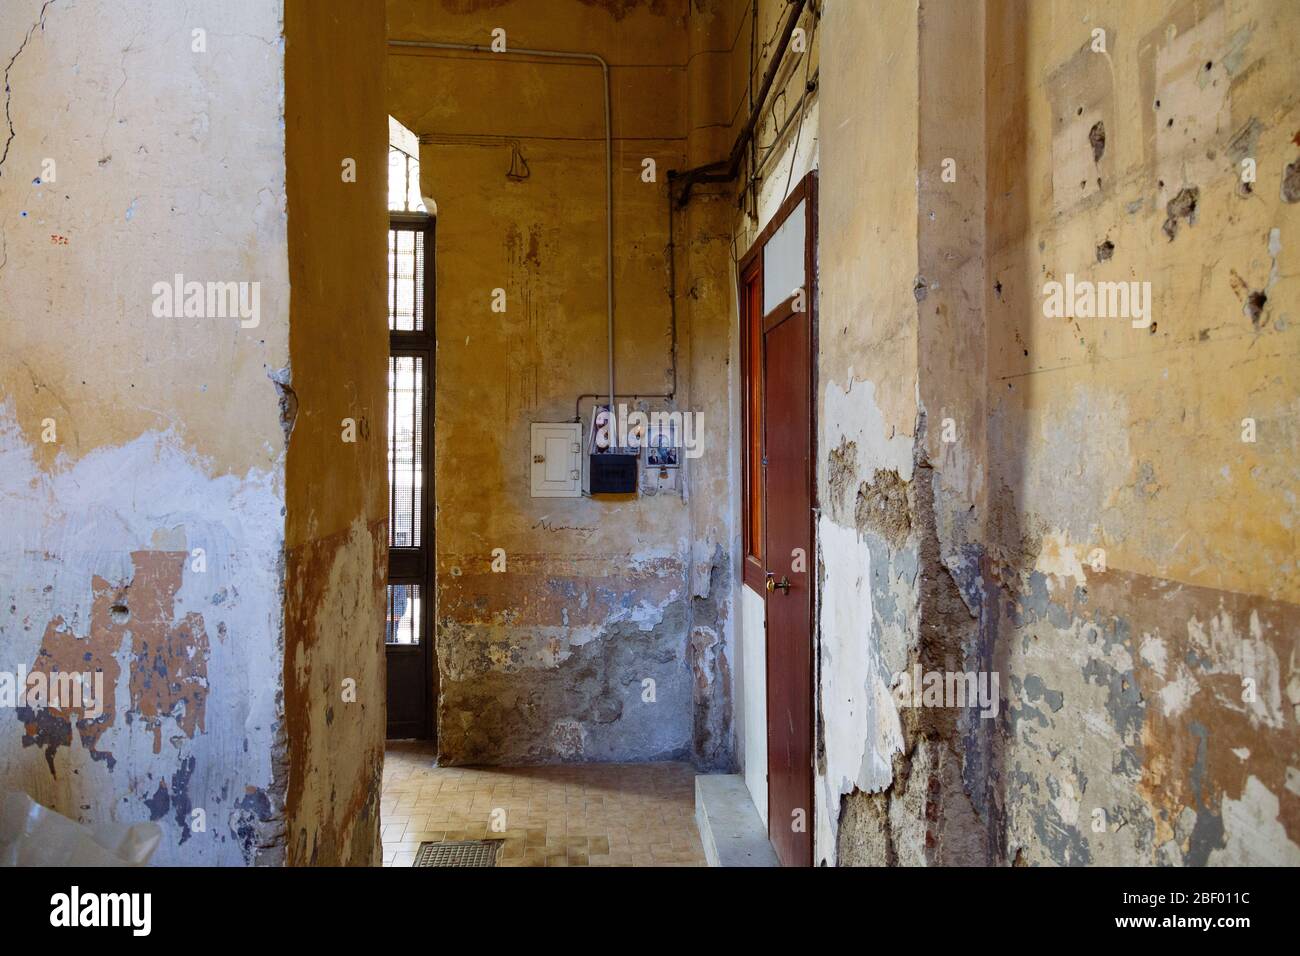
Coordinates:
(460, 853)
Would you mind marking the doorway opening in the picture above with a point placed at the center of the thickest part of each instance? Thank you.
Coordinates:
(565, 709)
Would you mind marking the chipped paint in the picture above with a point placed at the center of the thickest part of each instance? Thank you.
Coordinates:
(153, 513)
(863, 731)
(547, 659)
(1093, 526)
(178, 695)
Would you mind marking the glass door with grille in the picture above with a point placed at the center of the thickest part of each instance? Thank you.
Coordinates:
(408, 640)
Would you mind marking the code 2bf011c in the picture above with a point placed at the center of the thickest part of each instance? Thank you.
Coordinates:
(1175, 898)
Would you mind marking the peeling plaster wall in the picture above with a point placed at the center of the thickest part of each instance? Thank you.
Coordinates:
(1126, 684)
(166, 435)
(708, 352)
(944, 798)
(336, 565)
(1095, 530)
(547, 660)
(868, 561)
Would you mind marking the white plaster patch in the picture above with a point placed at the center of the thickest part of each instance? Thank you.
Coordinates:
(1098, 725)
(852, 415)
(1224, 650)
(1067, 804)
(84, 519)
(644, 614)
(1060, 558)
(1154, 654)
(1253, 833)
(1176, 696)
(861, 721)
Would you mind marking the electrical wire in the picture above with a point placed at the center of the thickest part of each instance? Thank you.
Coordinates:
(803, 103)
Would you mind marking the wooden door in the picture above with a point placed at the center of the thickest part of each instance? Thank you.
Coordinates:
(778, 308)
(788, 548)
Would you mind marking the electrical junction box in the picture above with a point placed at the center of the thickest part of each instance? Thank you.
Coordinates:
(660, 481)
(557, 460)
(613, 473)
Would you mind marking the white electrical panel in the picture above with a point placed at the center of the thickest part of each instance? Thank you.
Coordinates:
(557, 460)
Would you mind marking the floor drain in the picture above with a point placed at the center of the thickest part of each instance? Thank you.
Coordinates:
(459, 853)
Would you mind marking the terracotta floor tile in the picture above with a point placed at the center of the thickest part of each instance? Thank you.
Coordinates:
(569, 815)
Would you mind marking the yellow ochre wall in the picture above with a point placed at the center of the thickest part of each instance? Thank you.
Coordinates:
(548, 660)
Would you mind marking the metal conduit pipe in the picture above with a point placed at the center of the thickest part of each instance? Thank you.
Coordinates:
(609, 159)
(725, 170)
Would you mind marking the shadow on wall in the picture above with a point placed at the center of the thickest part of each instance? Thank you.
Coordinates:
(1144, 720)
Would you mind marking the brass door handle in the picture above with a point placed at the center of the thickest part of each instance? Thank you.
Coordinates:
(773, 584)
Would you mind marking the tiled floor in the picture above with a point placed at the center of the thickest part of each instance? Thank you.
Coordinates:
(571, 815)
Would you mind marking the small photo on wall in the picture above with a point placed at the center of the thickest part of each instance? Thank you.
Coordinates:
(662, 445)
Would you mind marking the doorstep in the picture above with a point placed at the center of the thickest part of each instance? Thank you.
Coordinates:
(730, 828)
